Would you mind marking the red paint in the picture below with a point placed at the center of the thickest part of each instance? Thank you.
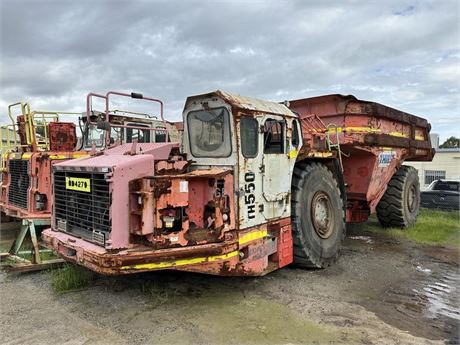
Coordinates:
(366, 129)
(285, 253)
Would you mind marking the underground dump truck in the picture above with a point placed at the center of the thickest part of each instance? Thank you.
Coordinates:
(43, 140)
(257, 185)
(35, 140)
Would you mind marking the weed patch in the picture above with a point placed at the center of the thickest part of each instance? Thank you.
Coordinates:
(432, 227)
(71, 278)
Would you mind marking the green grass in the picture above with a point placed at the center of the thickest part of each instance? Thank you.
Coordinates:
(44, 255)
(26, 254)
(432, 227)
(71, 278)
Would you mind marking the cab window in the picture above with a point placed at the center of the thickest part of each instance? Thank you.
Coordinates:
(95, 136)
(295, 134)
(160, 135)
(274, 136)
(249, 137)
(447, 186)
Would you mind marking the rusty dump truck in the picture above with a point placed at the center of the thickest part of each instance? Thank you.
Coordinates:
(43, 140)
(36, 140)
(255, 186)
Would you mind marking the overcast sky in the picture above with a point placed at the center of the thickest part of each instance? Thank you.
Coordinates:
(405, 54)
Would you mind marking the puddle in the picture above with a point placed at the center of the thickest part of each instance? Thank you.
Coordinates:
(420, 268)
(366, 239)
(431, 302)
(443, 296)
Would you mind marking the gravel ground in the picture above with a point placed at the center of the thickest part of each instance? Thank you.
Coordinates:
(382, 291)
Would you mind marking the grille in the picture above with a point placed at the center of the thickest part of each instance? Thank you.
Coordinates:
(20, 182)
(84, 214)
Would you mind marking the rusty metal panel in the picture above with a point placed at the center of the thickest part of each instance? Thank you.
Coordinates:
(251, 253)
(245, 103)
(375, 140)
(62, 136)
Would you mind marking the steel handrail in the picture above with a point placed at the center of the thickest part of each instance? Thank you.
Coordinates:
(107, 111)
(136, 96)
(25, 108)
(42, 119)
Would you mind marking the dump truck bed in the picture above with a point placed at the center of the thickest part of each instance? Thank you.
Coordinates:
(362, 123)
(374, 141)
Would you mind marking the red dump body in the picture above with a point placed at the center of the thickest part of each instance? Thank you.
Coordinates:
(374, 140)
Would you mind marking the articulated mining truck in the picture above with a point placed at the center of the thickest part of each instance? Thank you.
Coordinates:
(44, 140)
(258, 185)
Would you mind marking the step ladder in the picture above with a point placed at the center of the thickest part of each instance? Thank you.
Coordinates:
(334, 130)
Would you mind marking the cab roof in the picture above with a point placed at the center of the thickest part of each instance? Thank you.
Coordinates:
(244, 102)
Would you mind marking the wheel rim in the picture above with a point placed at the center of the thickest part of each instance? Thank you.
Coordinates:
(321, 215)
(412, 198)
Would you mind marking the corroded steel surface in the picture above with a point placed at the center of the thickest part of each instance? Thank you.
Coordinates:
(246, 103)
(231, 215)
(63, 136)
(255, 251)
(375, 141)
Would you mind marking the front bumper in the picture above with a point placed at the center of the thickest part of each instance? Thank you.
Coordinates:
(253, 253)
(224, 258)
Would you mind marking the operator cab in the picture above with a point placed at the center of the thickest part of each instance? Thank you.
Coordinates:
(256, 139)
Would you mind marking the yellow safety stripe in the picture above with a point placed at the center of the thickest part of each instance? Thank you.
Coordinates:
(182, 262)
(293, 153)
(58, 156)
(252, 236)
(372, 130)
(398, 134)
(316, 154)
(80, 154)
(354, 129)
(363, 129)
(71, 155)
(27, 155)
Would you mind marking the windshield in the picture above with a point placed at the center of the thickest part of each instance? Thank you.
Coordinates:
(447, 185)
(95, 136)
(209, 133)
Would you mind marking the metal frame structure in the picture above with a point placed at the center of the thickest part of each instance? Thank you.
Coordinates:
(13, 262)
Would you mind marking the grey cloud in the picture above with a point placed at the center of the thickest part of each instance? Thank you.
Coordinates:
(405, 54)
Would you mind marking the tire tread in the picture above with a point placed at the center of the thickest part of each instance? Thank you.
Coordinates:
(302, 256)
(390, 211)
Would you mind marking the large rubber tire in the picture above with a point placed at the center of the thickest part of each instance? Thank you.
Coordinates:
(316, 244)
(400, 205)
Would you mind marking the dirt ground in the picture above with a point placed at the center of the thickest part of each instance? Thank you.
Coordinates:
(382, 291)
